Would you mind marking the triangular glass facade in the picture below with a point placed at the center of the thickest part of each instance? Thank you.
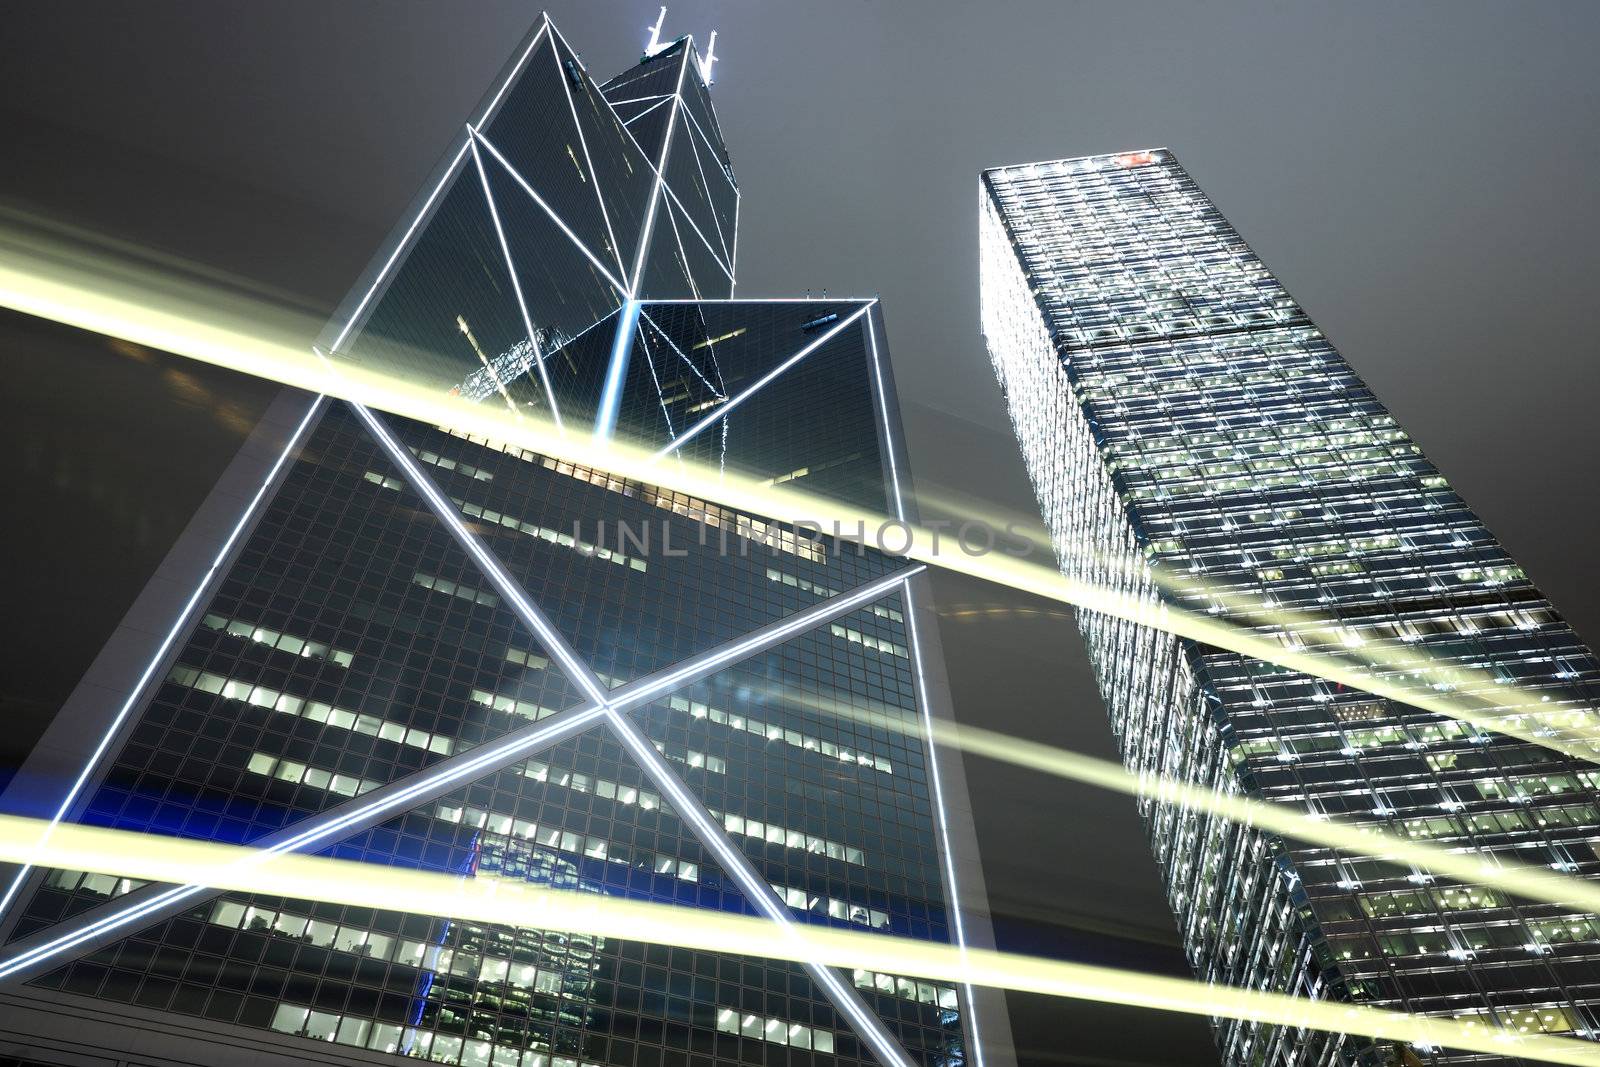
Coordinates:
(662, 698)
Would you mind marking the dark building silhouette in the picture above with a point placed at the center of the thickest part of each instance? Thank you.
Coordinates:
(415, 646)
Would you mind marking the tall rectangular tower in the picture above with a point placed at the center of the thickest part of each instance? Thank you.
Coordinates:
(1193, 437)
(414, 646)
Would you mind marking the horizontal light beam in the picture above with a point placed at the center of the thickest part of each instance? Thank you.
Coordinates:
(1497, 870)
(148, 305)
(151, 857)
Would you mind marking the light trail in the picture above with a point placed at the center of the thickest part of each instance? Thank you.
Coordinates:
(188, 314)
(150, 857)
(1496, 870)
(1569, 726)
(157, 306)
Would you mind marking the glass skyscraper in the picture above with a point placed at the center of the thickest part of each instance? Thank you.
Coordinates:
(415, 646)
(1192, 436)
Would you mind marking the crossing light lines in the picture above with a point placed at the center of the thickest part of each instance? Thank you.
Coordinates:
(685, 804)
(178, 314)
(1344, 835)
(514, 903)
(86, 931)
(479, 138)
(594, 177)
(516, 287)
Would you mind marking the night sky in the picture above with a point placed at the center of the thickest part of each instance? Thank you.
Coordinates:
(1422, 177)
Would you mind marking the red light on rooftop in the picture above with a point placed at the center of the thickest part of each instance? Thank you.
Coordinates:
(1135, 159)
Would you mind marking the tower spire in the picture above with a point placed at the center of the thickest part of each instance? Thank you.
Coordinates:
(654, 44)
(709, 59)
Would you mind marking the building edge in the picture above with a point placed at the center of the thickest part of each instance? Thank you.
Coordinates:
(149, 638)
(986, 1025)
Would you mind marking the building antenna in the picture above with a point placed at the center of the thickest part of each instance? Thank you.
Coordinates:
(655, 33)
(710, 58)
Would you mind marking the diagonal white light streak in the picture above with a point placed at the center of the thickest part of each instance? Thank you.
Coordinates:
(661, 181)
(548, 210)
(638, 99)
(705, 186)
(798, 623)
(646, 111)
(184, 615)
(583, 142)
(575, 669)
(183, 319)
(683, 253)
(522, 905)
(516, 287)
(674, 345)
(722, 412)
(687, 807)
(403, 246)
(941, 812)
(84, 932)
(444, 180)
(719, 259)
(155, 902)
(546, 26)
(725, 424)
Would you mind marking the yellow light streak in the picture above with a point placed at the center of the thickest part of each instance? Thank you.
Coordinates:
(1473, 868)
(150, 857)
(198, 320)
(1509, 709)
(187, 315)
(1570, 725)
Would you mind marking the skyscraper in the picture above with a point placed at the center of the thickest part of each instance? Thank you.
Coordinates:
(1193, 437)
(415, 646)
